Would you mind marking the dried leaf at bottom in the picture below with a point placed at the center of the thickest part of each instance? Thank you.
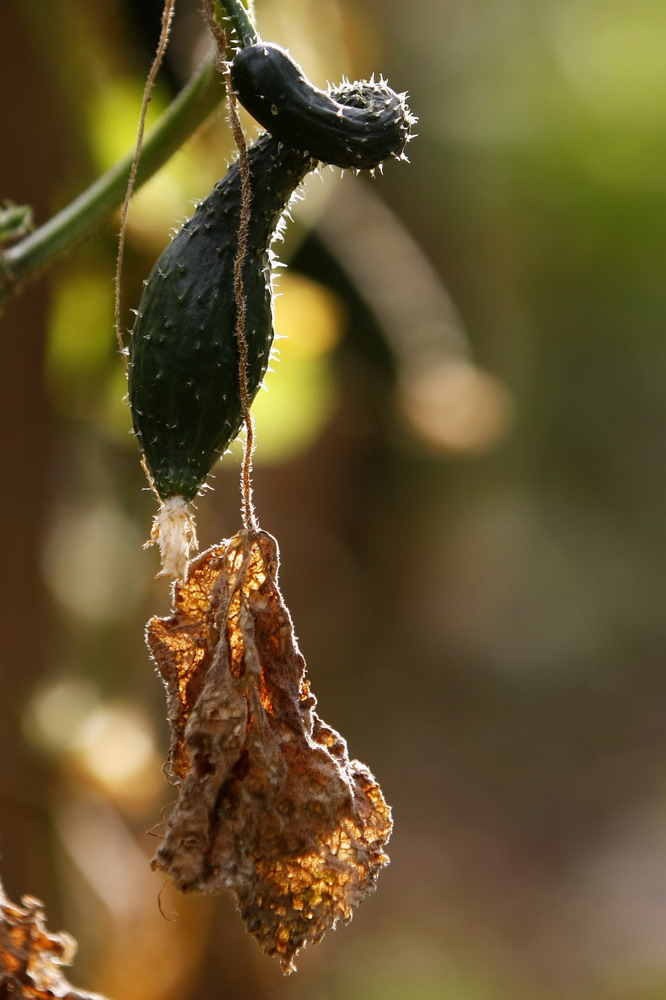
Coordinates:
(31, 959)
(269, 806)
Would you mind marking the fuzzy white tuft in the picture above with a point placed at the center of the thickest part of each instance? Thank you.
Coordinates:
(174, 531)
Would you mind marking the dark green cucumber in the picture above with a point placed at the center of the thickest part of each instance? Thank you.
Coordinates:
(357, 125)
(184, 386)
(183, 357)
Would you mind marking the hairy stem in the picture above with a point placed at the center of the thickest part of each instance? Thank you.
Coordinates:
(239, 18)
(249, 518)
(23, 261)
(167, 19)
(88, 211)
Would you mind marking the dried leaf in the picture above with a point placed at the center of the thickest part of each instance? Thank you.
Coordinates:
(269, 804)
(30, 958)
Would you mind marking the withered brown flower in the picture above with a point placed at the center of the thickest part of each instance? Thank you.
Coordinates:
(269, 804)
(31, 959)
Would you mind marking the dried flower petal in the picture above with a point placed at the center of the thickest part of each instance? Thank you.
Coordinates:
(31, 959)
(174, 531)
(269, 804)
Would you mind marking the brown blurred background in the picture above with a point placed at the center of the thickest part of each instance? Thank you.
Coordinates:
(462, 453)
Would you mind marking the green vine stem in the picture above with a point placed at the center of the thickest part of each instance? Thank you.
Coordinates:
(88, 211)
(239, 19)
(25, 260)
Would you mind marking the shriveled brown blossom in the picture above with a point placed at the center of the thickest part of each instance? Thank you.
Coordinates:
(269, 806)
(31, 959)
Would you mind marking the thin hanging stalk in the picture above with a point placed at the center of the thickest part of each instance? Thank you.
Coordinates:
(167, 18)
(249, 517)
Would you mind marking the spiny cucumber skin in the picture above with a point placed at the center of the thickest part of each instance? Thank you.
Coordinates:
(183, 361)
(358, 125)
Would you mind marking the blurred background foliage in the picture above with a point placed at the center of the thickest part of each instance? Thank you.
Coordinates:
(462, 453)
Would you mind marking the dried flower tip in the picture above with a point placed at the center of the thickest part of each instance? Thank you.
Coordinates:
(174, 531)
